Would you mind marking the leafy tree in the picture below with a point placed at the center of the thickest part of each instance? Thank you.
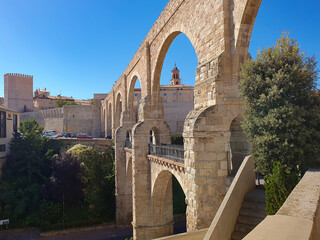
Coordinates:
(282, 111)
(61, 102)
(99, 179)
(26, 171)
(65, 184)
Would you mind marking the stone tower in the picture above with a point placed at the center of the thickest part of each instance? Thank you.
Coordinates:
(175, 80)
(18, 92)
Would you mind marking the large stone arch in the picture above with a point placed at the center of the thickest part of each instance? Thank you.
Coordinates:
(132, 110)
(160, 57)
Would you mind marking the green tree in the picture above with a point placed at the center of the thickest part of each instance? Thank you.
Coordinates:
(26, 171)
(99, 179)
(61, 102)
(282, 108)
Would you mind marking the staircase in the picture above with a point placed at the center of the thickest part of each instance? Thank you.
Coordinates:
(251, 213)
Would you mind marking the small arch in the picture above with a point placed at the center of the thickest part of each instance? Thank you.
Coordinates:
(134, 96)
(167, 197)
(109, 121)
(239, 146)
(118, 111)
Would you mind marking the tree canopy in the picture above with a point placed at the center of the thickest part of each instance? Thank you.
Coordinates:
(282, 107)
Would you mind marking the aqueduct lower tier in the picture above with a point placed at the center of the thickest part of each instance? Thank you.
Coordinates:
(220, 32)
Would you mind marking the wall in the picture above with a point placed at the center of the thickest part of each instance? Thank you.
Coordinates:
(224, 221)
(18, 91)
(298, 218)
(71, 118)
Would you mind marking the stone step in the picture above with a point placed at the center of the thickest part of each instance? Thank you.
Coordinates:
(238, 235)
(249, 220)
(256, 195)
(254, 205)
(244, 228)
(253, 213)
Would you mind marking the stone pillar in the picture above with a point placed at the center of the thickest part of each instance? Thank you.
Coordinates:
(206, 142)
(146, 224)
(123, 191)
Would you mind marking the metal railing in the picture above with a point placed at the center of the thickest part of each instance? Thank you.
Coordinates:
(127, 144)
(172, 152)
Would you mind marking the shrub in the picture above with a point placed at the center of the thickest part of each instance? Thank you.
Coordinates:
(279, 185)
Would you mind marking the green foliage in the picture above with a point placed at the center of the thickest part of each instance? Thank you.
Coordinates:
(25, 173)
(282, 109)
(61, 102)
(279, 185)
(99, 180)
(176, 138)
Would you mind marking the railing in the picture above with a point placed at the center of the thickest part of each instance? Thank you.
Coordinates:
(172, 152)
(128, 144)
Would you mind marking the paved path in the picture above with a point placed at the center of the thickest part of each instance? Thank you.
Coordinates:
(97, 234)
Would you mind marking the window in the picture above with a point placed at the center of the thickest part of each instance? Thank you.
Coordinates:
(3, 129)
(180, 94)
(165, 94)
(2, 148)
(15, 123)
(174, 100)
(174, 94)
(164, 101)
(136, 94)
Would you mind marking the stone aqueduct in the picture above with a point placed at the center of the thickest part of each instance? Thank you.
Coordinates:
(220, 32)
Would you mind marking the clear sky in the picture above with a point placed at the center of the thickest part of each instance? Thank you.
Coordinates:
(81, 47)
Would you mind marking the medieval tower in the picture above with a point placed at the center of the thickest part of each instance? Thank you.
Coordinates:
(18, 92)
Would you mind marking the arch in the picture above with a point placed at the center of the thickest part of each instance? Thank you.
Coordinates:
(131, 98)
(109, 120)
(239, 146)
(162, 198)
(118, 111)
(155, 136)
(155, 85)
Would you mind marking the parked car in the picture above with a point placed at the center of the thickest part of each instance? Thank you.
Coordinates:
(68, 135)
(73, 135)
(85, 136)
(59, 135)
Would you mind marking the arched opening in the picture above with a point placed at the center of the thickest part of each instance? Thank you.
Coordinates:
(154, 136)
(109, 121)
(103, 122)
(168, 202)
(134, 97)
(118, 111)
(174, 80)
(239, 146)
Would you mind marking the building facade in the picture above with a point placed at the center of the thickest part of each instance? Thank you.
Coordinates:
(9, 123)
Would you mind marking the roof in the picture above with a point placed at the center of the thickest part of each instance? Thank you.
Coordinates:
(175, 68)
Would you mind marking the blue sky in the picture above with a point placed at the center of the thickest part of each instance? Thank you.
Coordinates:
(81, 47)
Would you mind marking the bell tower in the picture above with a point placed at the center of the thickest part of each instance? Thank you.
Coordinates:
(175, 80)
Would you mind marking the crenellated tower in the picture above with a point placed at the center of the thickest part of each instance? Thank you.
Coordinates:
(18, 92)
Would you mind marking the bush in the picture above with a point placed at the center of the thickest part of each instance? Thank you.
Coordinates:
(176, 138)
(279, 185)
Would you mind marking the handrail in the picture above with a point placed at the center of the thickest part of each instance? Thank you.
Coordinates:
(170, 151)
